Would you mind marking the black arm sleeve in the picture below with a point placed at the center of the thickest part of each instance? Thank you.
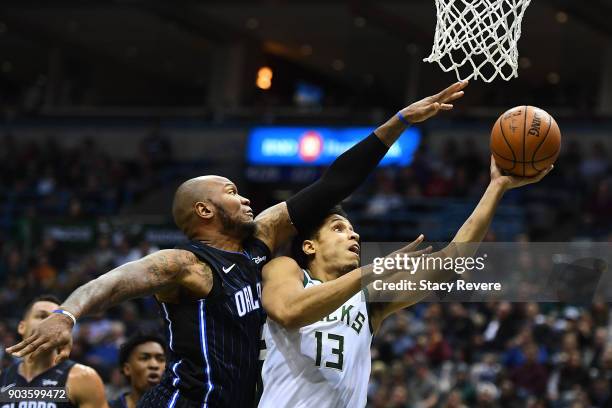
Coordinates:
(343, 177)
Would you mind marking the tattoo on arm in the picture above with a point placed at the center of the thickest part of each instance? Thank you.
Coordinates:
(134, 279)
(274, 226)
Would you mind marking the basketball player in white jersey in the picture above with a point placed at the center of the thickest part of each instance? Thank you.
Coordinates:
(319, 329)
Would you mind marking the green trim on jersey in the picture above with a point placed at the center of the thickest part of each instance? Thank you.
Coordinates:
(307, 278)
(368, 308)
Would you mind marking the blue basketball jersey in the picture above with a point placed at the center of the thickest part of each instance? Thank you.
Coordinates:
(55, 377)
(214, 342)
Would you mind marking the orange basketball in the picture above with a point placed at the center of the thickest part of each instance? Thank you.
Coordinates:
(525, 140)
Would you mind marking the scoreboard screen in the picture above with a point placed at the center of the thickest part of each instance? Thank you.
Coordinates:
(319, 146)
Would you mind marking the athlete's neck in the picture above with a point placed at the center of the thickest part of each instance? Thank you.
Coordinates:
(29, 369)
(133, 397)
(323, 273)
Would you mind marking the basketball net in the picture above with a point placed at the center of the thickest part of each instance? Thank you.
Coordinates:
(478, 38)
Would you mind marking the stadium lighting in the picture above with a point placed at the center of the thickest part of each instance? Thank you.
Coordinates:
(264, 78)
(561, 17)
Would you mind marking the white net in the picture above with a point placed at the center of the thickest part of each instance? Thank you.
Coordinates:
(478, 38)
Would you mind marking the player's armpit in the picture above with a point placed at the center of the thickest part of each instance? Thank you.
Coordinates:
(274, 226)
(85, 388)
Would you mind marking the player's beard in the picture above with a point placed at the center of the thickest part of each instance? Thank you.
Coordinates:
(235, 228)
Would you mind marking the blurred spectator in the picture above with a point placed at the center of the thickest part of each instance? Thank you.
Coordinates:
(596, 164)
(385, 198)
(399, 397)
(437, 349)
(531, 376)
(143, 249)
(570, 374)
(454, 400)
(422, 387)
(500, 329)
(600, 203)
(155, 148)
(487, 395)
(508, 397)
(487, 370)
(11, 266)
(464, 385)
(103, 253)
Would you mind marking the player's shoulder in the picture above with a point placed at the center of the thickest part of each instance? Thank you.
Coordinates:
(284, 265)
(283, 261)
(81, 372)
(176, 259)
(85, 385)
(178, 254)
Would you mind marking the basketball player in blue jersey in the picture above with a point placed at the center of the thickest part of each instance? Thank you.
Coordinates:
(319, 330)
(84, 387)
(142, 359)
(209, 289)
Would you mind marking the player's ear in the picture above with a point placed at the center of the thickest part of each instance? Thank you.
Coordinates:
(309, 247)
(126, 369)
(204, 209)
(21, 328)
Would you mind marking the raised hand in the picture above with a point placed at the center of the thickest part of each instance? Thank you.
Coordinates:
(53, 333)
(411, 251)
(426, 108)
(509, 182)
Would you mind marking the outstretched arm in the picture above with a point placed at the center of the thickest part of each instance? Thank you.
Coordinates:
(276, 224)
(146, 276)
(133, 279)
(472, 231)
(290, 304)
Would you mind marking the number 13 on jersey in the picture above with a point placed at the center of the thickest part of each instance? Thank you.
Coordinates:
(336, 342)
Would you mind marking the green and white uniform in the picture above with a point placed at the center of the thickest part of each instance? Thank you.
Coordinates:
(325, 364)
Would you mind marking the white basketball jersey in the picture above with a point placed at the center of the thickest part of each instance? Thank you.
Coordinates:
(325, 364)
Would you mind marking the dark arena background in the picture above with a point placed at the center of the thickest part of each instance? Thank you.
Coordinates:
(107, 106)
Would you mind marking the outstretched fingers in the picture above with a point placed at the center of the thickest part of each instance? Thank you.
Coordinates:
(541, 174)
(454, 91)
(431, 109)
(25, 347)
(21, 345)
(422, 251)
(414, 244)
(453, 97)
